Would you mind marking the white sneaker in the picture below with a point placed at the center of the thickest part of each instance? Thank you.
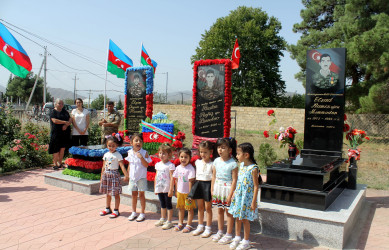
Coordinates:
(235, 242)
(243, 246)
(140, 218)
(199, 230)
(132, 217)
(160, 222)
(217, 237)
(225, 240)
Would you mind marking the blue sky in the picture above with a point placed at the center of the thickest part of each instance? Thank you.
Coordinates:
(169, 30)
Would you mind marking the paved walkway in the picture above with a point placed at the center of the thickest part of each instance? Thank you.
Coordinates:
(35, 215)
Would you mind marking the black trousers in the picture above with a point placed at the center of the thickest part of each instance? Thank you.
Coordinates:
(79, 140)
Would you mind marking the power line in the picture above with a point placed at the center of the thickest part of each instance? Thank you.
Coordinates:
(57, 45)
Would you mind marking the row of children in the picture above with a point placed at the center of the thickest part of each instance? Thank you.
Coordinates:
(219, 182)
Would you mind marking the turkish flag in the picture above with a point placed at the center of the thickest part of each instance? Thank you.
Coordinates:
(235, 55)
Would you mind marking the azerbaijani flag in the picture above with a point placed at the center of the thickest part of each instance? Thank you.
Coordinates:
(12, 55)
(146, 60)
(118, 62)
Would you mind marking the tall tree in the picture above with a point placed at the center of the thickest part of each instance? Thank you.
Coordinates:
(360, 26)
(98, 103)
(21, 88)
(257, 81)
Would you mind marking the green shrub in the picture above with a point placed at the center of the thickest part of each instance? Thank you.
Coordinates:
(9, 126)
(266, 156)
(94, 135)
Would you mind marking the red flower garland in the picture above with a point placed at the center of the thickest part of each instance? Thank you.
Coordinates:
(84, 164)
(149, 105)
(151, 176)
(125, 106)
(227, 92)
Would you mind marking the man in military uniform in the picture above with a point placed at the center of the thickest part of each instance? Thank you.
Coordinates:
(138, 88)
(210, 90)
(325, 78)
(111, 123)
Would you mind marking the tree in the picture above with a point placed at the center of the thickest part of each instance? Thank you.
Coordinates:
(377, 101)
(360, 26)
(98, 103)
(119, 106)
(21, 88)
(69, 101)
(257, 82)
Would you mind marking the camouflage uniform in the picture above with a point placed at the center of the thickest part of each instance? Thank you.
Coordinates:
(115, 118)
(325, 82)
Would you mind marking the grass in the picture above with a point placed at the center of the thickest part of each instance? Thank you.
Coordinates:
(373, 168)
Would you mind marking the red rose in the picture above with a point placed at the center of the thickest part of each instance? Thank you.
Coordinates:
(345, 117)
(275, 136)
(266, 133)
(349, 136)
(270, 112)
(367, 138)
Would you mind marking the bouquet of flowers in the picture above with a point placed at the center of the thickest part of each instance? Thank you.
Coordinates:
(355, 137)
(285, 136)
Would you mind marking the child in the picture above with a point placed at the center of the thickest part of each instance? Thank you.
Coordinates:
(225, 174)
(202, 188)
(244, 204)
(184, 175)
(163, 185)
(138, 160)
(110, 176)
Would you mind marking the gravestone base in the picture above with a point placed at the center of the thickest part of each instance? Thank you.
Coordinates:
(72, 183)
(331, 228)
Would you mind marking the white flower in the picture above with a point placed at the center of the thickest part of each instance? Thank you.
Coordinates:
(282, 129)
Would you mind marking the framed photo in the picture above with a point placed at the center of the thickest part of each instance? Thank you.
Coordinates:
(211, 108)
(138, 98)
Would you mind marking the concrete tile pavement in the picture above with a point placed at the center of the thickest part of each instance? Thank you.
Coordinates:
(34, 215)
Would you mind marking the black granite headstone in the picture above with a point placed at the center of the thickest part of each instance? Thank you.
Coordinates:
(136, 99)
(209, 121)
(325, 99)
(316, 177)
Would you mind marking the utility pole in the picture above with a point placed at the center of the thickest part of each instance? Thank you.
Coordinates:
(75, 82)
(90, 92)
(167, 77)
(182, 97)
(44, 75)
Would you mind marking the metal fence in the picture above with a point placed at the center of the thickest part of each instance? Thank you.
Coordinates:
(375, 125)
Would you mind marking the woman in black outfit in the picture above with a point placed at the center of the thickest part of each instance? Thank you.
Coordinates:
(60, 132)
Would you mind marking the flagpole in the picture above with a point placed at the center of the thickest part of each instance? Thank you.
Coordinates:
(141, 49)
(105, 84)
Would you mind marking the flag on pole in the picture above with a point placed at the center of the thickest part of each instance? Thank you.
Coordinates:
(12, 55)
(118, 62)
(235, 55)
(146, 60)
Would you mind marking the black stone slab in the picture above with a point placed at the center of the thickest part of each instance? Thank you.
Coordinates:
(325, 99)
(304, 198)
(136, 99)
(209, 120)
(310, 175)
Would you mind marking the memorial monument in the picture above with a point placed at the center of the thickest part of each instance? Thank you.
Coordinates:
(316, 177)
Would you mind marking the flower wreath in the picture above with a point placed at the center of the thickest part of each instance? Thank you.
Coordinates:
(227, 92)
(149, 91)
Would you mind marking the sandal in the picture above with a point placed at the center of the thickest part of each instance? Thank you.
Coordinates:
(178, 227)
(114, 214)
(104, 212)
(187, 228)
